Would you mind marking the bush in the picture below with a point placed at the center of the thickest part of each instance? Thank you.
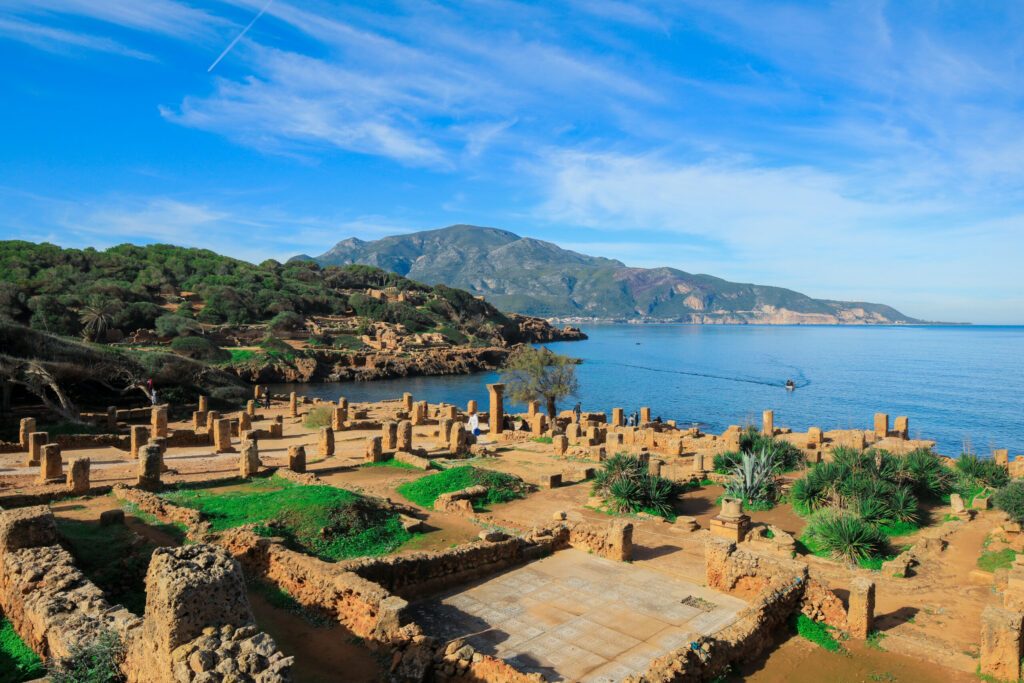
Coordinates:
(286, 321)
(272, 344)
(98, 662)
(320, 416)
(784, 455)
(627, 485)
(177, 326)
(1010, 499)
(199, 348)
(842, 535)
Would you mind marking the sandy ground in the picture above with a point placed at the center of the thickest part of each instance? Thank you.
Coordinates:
(933, 616)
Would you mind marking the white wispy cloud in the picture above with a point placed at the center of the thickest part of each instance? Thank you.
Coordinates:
(165, 17)
(59, 40)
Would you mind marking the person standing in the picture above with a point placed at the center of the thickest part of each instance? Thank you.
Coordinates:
(474, 424)
(577, 411)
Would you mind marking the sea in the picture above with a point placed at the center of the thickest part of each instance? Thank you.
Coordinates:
(961, 386)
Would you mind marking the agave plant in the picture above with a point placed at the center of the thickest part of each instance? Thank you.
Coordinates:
(844, 535)
(902, 506)
(754, 477)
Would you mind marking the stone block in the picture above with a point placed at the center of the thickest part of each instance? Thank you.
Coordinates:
(768, 423)
(51, 465)
(860, 618)
(550, 481)
(151, 465)
(618, 417)
(158, 421)
(560, 444)
(457, 443)
(30, 527)
(78, 475)
(374, 451)
(36, 441)
(138, 437)
(325, 442)
(881, 425)
(204, 403)
(112, 517)
(496, 414)
(389, 435)
(902, 427)
(339, 416)
(645, 415)
(222, 436)
(211, 417)
(412, 459)
(404, 440)
(407, 401)
(249, 462)
(1001, 644)
(297, 459)
(25, 427)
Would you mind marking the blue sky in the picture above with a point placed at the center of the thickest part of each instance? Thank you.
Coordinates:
(855, 150)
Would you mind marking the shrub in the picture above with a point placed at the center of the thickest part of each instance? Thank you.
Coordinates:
(320, 416)
(1010, 499)
(273, 344)
(627, 485)
(199, 348)
(177, 326)
(842, 535)
(723, 463)
(784, 455)
(98, 662)
(816, 632)
(286, 321)
(753, 479)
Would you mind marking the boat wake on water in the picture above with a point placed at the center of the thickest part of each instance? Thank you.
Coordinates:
(799, 383)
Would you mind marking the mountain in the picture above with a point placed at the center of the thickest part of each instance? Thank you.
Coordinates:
(539, 278)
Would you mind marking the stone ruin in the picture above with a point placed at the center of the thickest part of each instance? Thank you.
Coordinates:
(197, 627)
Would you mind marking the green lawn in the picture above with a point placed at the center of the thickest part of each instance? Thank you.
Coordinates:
(330, 523)
(501, 487)
(992, 560)
(17, 662)
(816, 632)
(392, 463)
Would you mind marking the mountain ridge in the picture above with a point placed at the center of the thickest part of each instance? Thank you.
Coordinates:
(537, 277)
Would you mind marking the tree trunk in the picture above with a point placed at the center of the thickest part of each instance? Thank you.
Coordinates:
(552, 410)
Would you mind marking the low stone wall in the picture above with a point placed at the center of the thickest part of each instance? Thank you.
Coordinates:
(69, 442)
(188, 438)
(11, 447)
(153, 504)
(50, 603)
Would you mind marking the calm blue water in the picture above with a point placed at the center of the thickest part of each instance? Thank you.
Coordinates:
(958, 385)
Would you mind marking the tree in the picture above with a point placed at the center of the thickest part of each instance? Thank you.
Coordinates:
(540, 375)
(96, 319)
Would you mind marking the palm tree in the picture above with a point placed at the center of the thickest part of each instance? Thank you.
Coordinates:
(96, 319)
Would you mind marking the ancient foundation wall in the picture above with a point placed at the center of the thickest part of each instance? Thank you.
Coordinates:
(50, 603)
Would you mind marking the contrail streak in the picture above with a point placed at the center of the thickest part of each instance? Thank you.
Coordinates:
(239, 36)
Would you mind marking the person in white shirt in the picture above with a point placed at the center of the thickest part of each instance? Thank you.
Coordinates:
(474, 424)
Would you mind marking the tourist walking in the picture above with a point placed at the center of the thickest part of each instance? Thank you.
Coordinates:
(577, 410)
(474, 424)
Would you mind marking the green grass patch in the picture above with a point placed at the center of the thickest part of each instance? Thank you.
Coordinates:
(816, 632)
(893, 529)
(543, 439)
(874, 563)
(109, 556)
(392, 463)
(991, 560)
(242, 355)
(874, 640)
(330, 523)
(176, 530)
(501, 487)
(17, 661)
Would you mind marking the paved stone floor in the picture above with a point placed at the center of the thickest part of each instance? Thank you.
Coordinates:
(577, 617)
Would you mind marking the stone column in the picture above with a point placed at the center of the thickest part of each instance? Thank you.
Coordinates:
(620, 541)
(419, 413)
(815, 436)
(532, 408)
(560, 444)
(1001, 644)
(26, 427)
(902, 427)
(158, 421)
(343, 402)
(698, 464)
(457, 439)
(768, 423)
(496, 393)
(222, 436)
(244, 423)
(111, 417)
(36, 441)
(139, 437)
(151, 464)
(250, 408)
(257, 391)
(389, 435)
(860, 620)
(326, 442)
(293, 405)
(444, 429)
(407, 401)
(572, 432)
(78, 476)
(645, 415)
(249, 464)
(277, 427)
(211, 417)
(1001, 456)
(340, 416)
(404, 441)
(51, 466)
(374, 452)
(593, 436)
(198, 420)
(618, 418)
(204, 403)
(881, 425)
(537, 423)
(297, 459)
(471, 407)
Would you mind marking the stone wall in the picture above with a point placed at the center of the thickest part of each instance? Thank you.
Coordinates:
(50, 603)
(69, 442)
